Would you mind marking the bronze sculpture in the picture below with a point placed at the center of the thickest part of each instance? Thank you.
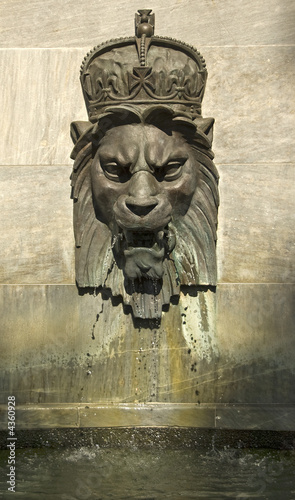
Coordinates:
(145, 187)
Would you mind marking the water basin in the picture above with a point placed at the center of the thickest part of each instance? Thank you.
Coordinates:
(146, 474)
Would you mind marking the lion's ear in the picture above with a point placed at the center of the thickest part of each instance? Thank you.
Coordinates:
(78, 129)
(81, 135)
(206, 126)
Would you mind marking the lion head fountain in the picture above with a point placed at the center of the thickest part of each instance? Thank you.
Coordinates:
(144, 182)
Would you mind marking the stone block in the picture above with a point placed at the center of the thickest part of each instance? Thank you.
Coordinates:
(256, 223)
(41, 96)
(256, 321)
(36, 241)
(251, 94)
(255, 337)
(45, 24)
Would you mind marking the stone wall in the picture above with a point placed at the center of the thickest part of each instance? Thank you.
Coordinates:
(59, 348)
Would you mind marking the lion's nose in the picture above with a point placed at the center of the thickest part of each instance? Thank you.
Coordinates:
(143, 189)
(141, 210)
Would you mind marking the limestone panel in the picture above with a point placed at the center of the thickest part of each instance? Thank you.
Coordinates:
(255, 336)
(250, 93)
(59, 347)
(36, 240)
(256, 321)
(41, 95)
(256, 221)
(50, 24)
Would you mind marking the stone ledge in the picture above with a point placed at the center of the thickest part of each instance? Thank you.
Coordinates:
(41, 417)
(235, 417)
(260, 417)
(182, 415)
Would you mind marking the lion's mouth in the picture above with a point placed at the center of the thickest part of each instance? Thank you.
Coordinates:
(157, 241)
(135, 240)
(144, 252)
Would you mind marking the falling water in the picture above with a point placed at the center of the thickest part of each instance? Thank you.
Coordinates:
(105, 265)
(114, 240)
(155, 297)
(135, 296)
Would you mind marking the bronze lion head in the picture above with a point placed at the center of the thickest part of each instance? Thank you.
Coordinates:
(145, 205)
(144, 183)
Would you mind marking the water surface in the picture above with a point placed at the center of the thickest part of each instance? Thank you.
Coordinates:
(132, 473)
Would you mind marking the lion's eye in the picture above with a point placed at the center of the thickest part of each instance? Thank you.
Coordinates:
(115, 172)
(172, 170)
(112, 168)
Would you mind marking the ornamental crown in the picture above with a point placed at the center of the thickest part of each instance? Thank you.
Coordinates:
(142, 70)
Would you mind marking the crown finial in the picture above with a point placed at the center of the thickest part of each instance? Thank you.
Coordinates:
(144, 23)
(144, 29)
